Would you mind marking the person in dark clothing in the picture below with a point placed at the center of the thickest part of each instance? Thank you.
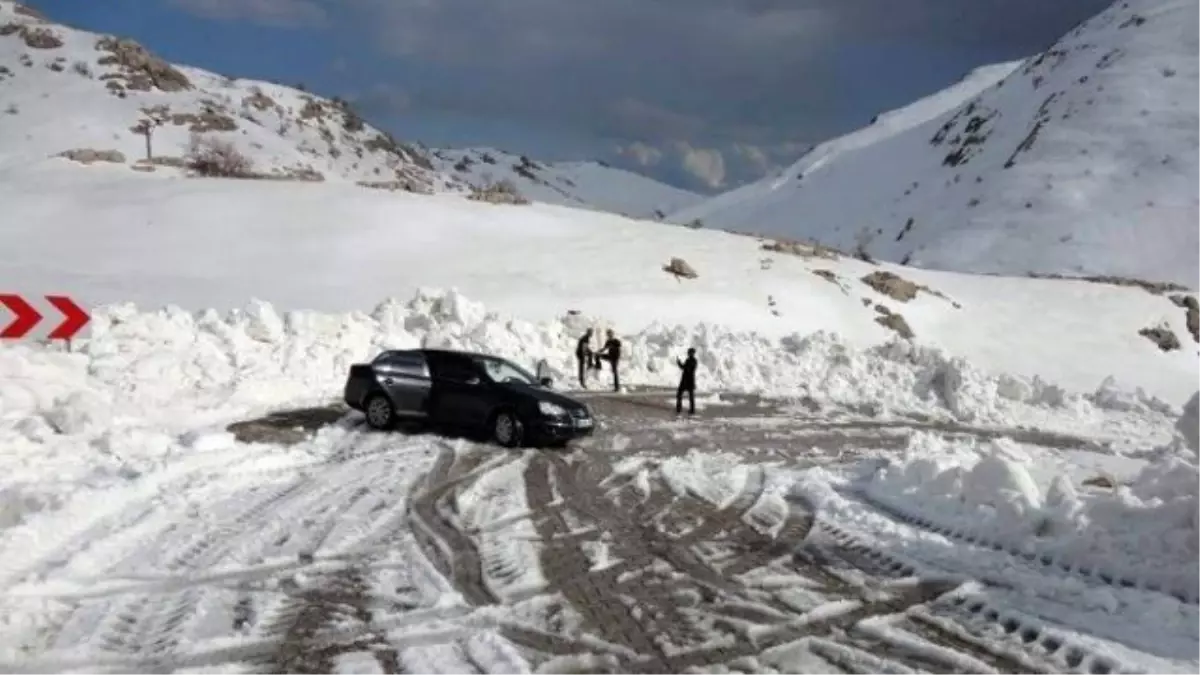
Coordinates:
(611, 352)
(687, 382)
(583, 356)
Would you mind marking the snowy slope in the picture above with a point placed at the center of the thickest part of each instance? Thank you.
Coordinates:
(589, 185)
(64, 89)
(724, 210)
(126, 237)
(1081, 161)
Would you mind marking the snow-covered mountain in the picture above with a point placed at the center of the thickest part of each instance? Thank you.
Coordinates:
(1081, 160)
(72, 94)
(591, 185)
(64, 90)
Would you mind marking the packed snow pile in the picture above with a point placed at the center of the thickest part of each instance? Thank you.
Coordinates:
(176, 365)
(1142, 533)
(1044, 171)
(590, 185)
(83, 95)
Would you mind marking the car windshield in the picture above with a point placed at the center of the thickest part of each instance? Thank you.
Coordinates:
(501, 370)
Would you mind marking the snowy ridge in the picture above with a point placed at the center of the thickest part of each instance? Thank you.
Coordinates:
(882, 127)
(69, 90)
(1045, 171)
(590, 185)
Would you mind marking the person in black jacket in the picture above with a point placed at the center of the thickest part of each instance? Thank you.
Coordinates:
(611, 352)
(687, 383)
(583, 356)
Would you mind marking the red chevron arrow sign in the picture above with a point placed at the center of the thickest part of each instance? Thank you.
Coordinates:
(25, 317)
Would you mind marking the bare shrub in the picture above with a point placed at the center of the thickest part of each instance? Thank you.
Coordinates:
(216, 158)
(499, 192)
(40, 38)
(91, 156)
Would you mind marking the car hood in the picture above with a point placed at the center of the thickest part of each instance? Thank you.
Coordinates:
(548, 395)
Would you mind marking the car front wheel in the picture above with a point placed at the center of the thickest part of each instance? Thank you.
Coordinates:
(380, 412)
(507, 429)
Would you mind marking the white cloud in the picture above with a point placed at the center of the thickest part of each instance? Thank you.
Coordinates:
(641, 153)
(706, 164)
(278, 13)
(754, 156)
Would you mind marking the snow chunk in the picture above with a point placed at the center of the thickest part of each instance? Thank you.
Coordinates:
(81, 412)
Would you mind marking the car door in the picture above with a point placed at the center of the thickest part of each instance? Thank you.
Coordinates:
(406, 378)
(458, 388)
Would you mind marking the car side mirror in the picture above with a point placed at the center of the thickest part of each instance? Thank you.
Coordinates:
(546, 382)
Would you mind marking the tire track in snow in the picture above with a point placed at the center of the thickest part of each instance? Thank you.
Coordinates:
(451, 551)
(568, 570)
(1005, 639)
(153, 625)
(1092, 571)
(64, 546)
(344, 596)
(1009, 634)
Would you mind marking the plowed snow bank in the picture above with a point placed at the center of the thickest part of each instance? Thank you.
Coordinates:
(173, 367)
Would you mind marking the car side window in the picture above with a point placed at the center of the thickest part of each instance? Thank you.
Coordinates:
(454, 370)
(406, 363)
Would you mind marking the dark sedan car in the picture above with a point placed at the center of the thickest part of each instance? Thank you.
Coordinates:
(465, 390)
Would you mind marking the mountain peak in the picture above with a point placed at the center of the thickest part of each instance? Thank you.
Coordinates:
(1080, 161)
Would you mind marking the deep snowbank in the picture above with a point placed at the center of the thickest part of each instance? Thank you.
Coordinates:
(147, 390)
(175, 368)
(1143, 533)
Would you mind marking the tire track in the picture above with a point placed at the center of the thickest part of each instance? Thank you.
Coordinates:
(1016, 638)
(152, 626)
(1090, 572)
(567, 569)
(66, 546)
(451, 551)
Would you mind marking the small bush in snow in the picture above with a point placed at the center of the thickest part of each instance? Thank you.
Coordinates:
(12, 109)
(81, 68)
(499, 192)
(40, 38)
(215, 158)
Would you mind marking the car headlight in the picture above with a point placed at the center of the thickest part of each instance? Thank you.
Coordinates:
(551, 409)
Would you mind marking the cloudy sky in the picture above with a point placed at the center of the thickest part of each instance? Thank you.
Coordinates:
(705, 94)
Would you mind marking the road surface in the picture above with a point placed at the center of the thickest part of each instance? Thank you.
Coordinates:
(413, 553)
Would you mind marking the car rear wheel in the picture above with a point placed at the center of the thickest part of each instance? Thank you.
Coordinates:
(380, 412)
(507, 429)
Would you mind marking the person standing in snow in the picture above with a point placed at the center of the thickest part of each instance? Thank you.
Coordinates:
(583, 356)
(611, 352)
(687, 383)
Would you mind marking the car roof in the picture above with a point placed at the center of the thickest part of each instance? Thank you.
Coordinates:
(457, 352)
(445, 352)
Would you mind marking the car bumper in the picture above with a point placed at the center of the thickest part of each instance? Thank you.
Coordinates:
(563, 430)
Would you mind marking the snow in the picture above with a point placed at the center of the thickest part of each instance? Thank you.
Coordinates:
(591, 185)
(883, 127)
(59, 102)
(1043, 168)
(127, 509)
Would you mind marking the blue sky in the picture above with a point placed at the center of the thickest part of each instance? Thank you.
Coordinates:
(704, 94)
